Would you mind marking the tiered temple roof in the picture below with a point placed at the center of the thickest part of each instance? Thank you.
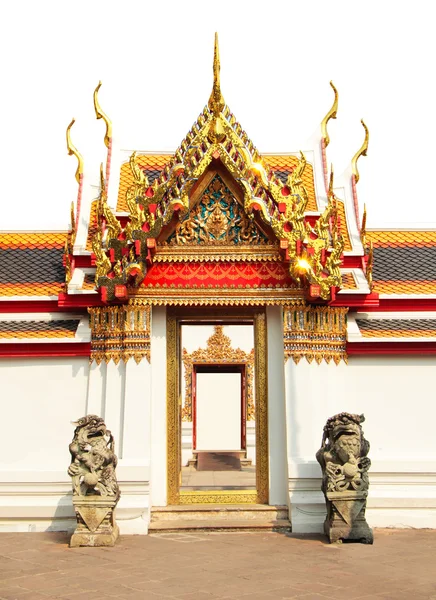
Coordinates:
(279, 230)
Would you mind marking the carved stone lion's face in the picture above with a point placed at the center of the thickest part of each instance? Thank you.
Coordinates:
(91, 428)
(345, 436)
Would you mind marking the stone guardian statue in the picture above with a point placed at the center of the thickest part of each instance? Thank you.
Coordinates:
(95, 487)
(344, 463)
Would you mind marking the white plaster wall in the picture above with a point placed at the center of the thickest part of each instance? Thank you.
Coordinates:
(40, 398)
(397, 396)
(43, 397)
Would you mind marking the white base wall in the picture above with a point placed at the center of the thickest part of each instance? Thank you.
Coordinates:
(42, 396)
(394, 393)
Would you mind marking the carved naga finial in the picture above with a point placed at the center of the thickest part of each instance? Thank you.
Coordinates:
(73, 150)
(216, 101)
(361, 152)
(330, 115)
(102, 115)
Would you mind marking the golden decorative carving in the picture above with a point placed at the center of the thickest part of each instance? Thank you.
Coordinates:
(313, 254)
(217, 220)
(330, 115)
(219, 351)
(112, 224)
(318, 333)
(369, 267)
(102, 262)
(361, 152)
(175, 496)
(120, 333)
(73, 150)
(102, 115)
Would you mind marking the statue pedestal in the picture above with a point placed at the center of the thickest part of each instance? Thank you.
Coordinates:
(96, 524)
(345, 519)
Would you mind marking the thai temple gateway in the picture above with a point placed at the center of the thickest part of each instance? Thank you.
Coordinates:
(215, 307)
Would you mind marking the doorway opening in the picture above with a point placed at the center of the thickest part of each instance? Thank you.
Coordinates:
(217, 408)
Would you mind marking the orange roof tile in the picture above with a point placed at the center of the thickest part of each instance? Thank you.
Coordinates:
(88, 282)
(344, 226)
(38, 329)
(348, 281)
(389, 239)
(405, 287)
(26, 240)
(30, 289)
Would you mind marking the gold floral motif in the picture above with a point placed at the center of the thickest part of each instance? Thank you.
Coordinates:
(120, 333)
(174, 495)
(219, 351)
(318, 333)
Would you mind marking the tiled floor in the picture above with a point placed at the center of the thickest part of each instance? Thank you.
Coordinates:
(218, 480)
(401, 565)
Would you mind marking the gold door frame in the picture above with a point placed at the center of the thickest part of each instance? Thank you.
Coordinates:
(175, 317)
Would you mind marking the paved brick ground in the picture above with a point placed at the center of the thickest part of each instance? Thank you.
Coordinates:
(253, 566)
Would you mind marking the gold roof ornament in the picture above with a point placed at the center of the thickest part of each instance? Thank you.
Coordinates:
(330, 115)
(361, 152)
(216, 101)
(73, 150)
(102, 115)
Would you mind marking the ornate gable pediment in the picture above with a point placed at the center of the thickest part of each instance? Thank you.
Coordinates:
(217, 200)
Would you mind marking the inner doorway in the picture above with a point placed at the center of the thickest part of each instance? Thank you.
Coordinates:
(217, 407)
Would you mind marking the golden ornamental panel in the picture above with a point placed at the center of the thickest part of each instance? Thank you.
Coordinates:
(219, 351)
(315, 332)
(120, 333)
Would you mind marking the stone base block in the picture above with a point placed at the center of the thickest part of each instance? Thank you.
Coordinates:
(339, 531)
(345, 519)
(96, 524)
(100, 538)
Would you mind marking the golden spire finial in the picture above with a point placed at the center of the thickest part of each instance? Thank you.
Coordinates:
(361, 152)
(102, 115)
(330, 115)
(73, 150)
(216, 101)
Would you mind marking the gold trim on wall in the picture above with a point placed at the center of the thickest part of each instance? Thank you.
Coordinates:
(175, 496)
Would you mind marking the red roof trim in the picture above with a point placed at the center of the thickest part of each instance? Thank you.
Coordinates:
(363, 348)
(44, 350)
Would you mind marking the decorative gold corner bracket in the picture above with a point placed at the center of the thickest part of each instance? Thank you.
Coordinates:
(318, 333)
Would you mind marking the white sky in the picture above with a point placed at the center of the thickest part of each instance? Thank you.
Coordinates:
(155, 61)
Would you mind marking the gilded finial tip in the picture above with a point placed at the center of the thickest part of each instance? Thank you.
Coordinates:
(216, 100)
(330, 115)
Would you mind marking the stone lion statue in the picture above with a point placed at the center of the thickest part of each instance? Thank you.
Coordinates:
(343, 454)
(344, 463)
(93, 459)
